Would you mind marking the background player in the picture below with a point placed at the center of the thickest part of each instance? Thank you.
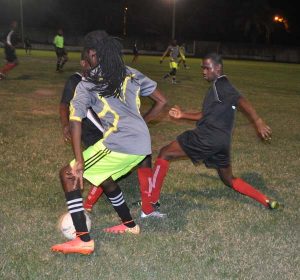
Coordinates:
(61, 54)
(173, 52)
(11, 40)
(210, 141)
(135, 52)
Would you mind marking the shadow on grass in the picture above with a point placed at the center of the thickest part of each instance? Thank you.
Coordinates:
(22, 77)
(180, 204)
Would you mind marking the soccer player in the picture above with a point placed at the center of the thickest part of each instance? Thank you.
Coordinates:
(27, 45)
(61, 54)
(210, 141)
(113, 91)
(173, 52)
(11, 40)
(135, 52)
(92, 130)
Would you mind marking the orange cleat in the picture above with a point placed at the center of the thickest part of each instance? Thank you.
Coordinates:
(76, 246)
(119, 229)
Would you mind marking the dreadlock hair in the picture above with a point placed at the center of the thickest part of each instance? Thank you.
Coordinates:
(110, 72)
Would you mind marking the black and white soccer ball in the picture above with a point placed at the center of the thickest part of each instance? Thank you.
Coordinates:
(66, 226)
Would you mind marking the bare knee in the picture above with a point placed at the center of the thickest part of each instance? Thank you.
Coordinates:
(226, 176)
(66, 179)
(171, 151)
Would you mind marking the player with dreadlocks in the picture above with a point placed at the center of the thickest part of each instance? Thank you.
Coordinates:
(112, 90)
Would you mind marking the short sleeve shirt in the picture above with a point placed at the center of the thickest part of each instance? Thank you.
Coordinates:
(91, 126)
(219, 106)
(125, 130)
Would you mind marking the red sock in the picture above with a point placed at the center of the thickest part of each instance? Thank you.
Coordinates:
(7, 67)
(159, 173)
(145, 179)
(244, 188)
(93, 196)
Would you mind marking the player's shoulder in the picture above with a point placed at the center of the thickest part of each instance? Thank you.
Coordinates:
(223, 84)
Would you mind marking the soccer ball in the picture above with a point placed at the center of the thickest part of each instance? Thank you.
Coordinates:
(65, 225)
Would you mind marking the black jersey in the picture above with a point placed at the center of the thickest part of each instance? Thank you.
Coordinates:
(210, 140)
(91, 125)
(219, 106)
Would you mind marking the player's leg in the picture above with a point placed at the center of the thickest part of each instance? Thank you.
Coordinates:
(144, 172)
(83, 243)
(93, 196)
(59, 55)
(12, 62)
(64, 59)
(244, 188)
(161, 166)
(115, 195)
(173, 75)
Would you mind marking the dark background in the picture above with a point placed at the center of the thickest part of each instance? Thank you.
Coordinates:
(207, 20)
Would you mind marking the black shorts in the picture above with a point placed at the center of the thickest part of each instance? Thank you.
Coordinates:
(10, 54)
(60, 52)
(210, 147)
(90, 133)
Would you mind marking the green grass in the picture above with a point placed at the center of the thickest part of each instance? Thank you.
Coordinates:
(211, 231)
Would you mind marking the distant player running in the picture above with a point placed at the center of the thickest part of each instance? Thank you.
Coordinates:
(173, 52)
(210, 141)
(11, 40)
(61, 54)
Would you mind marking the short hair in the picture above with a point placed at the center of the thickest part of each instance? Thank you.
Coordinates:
(216, 58)
(109, 74)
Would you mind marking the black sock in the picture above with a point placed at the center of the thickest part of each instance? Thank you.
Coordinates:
(117, 200)
(75, 207)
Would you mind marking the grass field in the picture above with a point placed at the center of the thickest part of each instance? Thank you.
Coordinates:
(211, 231)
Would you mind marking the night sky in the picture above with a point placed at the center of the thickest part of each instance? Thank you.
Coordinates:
(210, 20)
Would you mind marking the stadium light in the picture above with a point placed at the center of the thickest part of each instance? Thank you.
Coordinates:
(21, 19)
(125, 21)
(173, 19)
(283, 20)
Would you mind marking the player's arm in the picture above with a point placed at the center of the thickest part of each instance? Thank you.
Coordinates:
(177, 113)
(159, 103)
(164, 55)
(263, 130)
(77, 169)
(64, 113)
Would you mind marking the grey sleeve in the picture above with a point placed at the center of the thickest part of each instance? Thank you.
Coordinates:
(147, 86)
(80, 103)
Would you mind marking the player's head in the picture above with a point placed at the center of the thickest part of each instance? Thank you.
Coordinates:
(212, 66)
(174, 42)
(60, 32)
(14, 24)
(107, 68)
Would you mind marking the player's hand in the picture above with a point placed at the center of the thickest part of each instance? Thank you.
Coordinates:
(263, 130)
(77, 172)
(67, 133)
(175, 112)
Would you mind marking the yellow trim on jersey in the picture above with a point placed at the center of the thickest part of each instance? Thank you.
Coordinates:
(107, 109)
(72, 112)
(124, 87)
(138, 100)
